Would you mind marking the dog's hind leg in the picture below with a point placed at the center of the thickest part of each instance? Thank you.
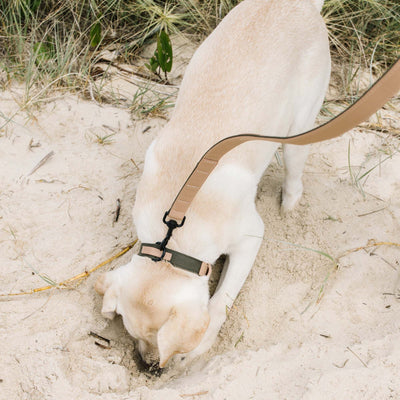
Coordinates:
(295, 158)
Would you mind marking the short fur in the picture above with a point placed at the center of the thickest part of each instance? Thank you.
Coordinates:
(264, 70)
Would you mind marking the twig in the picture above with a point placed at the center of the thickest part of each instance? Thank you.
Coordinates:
(49, 181)
(110, 128)
(118, 210)
(371, 212)
(139, 75)
(32, 145)
(371, 243)
(67, 283)
(240, 339)
(41, 162)
(133, 162)
(103, 346)
(194, 394)
(75, 188)
(363, 363)
(341, 366)
(94, 334)
(146, 129)
(384, 260)
(380, 128)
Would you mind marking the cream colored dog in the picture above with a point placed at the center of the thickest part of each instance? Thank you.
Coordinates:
(264, 70)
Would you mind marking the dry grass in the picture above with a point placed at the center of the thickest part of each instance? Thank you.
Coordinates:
(57, 43)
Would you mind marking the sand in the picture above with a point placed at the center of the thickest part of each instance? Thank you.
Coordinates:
(312, 321)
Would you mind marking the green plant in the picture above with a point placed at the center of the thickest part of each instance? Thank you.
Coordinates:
(95, 34)
(105, 139)
(163, 57)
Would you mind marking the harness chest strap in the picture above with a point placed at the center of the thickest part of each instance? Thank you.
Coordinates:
(372, 100)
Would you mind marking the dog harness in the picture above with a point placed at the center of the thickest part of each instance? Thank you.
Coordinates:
(371, 101)
(159, 251)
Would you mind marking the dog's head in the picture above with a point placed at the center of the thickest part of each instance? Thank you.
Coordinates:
(165, 309)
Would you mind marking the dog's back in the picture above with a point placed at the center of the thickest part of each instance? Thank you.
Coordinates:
(263, 70)
(261, 62)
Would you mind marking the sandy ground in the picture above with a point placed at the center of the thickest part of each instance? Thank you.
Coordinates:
(300, 329)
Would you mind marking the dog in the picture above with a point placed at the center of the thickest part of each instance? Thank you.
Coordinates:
(265, 69)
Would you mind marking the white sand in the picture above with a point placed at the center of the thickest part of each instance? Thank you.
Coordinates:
(278, 342)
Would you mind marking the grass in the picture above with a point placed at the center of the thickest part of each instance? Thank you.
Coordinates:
(56, 43)
(359, 174)
(147, 101)
(365, 41)
(60, 41)
(320, 252)
(364, 32)
(44, 277)
(105, 139)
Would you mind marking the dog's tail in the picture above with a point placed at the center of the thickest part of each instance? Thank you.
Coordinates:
(318, 4)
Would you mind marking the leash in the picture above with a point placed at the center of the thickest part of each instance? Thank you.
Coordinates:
(371, 101)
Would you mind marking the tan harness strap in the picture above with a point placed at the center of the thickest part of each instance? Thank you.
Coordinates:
(372, 100)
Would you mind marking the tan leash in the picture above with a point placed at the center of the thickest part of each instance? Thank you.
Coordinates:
(371, 101)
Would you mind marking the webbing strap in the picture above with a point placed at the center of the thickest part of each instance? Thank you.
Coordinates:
(371, 101)
(175, 258)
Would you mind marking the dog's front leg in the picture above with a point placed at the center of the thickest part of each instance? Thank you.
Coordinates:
(237, 266)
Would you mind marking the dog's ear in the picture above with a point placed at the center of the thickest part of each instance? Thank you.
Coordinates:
(182, 331)
(104, 286)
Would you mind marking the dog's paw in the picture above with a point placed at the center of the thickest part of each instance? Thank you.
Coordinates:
(289, 201)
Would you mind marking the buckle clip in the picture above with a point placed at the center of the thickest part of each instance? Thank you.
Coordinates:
(172, 224)
(172, 221)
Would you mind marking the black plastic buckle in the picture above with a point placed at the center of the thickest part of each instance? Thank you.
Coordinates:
(172, 224)
(172, 220)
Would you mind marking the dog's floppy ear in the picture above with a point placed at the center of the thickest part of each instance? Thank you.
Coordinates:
(182, 331)
(104, 286)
